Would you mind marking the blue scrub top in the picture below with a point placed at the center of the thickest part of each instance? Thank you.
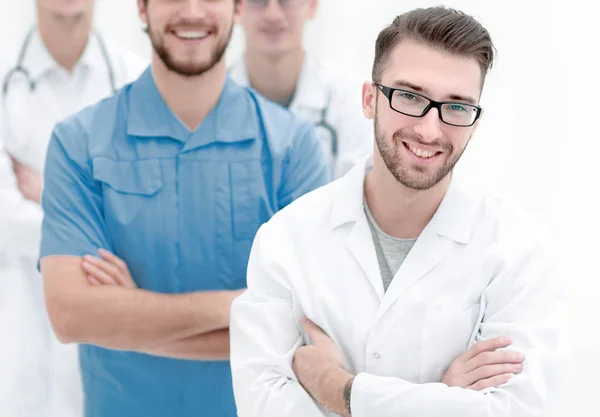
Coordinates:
(181, 209)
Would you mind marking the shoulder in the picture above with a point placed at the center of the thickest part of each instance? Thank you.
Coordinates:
(128, 65)
(346, 97)
(237, 71)
(515, 233)
(305, 218)
(343, 81)
(282, 127)
(92, 126)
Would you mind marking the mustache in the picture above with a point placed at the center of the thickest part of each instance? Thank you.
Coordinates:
(401, 136)
(191, 24)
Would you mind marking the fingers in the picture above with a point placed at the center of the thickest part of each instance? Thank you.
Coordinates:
(111, 266)
(314, 332)
(486, 346)
(490, 371)
(113, 259)
(93, 281)
(124, 274)
(93, 270)
(494, 358)
(495, 381)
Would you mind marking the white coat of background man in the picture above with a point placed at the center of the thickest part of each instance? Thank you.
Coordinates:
(276, 65)
(425, 297)
(61, 65)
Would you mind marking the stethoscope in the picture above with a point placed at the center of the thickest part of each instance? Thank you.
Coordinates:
(327, 127)
(19, 68)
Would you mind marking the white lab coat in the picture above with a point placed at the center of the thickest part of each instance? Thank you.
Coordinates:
(477, 271)
(326, 89)
(40, 377)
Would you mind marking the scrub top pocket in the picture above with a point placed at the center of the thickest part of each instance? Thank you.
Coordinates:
(128, 185)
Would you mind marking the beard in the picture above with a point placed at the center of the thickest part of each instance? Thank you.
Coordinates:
(417, 177)
(189, 68)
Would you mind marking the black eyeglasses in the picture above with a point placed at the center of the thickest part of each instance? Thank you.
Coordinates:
(260, 4)
(414, 104)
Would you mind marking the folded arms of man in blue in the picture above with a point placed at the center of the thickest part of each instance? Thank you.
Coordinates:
(399, 290)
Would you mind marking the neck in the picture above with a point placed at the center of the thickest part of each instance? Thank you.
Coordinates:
(189, 98)
(64, 37)
(275, 77)
(398, 210)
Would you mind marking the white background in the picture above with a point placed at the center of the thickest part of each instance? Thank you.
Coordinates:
(538, 141)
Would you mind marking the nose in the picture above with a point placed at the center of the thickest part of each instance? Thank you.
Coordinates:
(429, 126)
(193, 9)
(273, 10)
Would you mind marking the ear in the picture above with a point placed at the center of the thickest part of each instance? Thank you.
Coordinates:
(313, 5)
(369, 98)
(476, 124)
(142, 11)
(237, 14)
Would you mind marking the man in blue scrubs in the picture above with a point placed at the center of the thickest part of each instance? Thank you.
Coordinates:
(174, 175)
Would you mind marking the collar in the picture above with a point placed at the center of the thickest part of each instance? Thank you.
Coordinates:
(38, 60)
(93, 57)
(313, 89)
(233, 119)
(454, 218)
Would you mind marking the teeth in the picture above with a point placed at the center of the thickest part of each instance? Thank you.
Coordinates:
(421, 153)
(191, 35)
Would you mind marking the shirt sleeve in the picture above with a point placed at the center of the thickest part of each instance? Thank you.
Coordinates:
(305, 168)
(265, 334)
(73, 222)
(527, 302)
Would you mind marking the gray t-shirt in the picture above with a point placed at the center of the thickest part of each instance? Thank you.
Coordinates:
(391, 251)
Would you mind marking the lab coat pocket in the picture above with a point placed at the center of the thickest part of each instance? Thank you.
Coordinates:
(447, 334)
(127, 185)
(247, 190)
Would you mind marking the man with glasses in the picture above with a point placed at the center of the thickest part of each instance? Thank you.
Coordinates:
(276, 65)
(397, 290)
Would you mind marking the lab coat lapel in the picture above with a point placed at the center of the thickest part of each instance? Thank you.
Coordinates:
(428, 251)
(360, 244)
(348, 220)
(451, 224)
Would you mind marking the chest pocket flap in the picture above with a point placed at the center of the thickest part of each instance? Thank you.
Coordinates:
(129, 177)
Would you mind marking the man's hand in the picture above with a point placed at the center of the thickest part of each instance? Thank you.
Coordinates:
(320, 370)
(29, 182)
(108, 270)
(483, 367)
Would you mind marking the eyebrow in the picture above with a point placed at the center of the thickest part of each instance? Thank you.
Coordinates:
(419, 89)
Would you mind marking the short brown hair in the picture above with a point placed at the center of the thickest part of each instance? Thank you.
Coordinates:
(441, 28)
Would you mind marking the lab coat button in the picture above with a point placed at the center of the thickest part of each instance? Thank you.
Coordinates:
(376, 355)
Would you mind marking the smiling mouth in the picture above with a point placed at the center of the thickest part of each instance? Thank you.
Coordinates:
(272, 31)
(421, 153)
(191, 34)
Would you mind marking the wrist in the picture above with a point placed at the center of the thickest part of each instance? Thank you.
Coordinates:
(348, 397)
(336, 383)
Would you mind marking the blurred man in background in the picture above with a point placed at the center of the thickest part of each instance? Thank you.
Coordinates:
(62, 65)
(276, 65)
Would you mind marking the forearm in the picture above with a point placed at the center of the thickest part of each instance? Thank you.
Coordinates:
(213, 346)
(391, 397)
(273, 395)
(126, 319)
